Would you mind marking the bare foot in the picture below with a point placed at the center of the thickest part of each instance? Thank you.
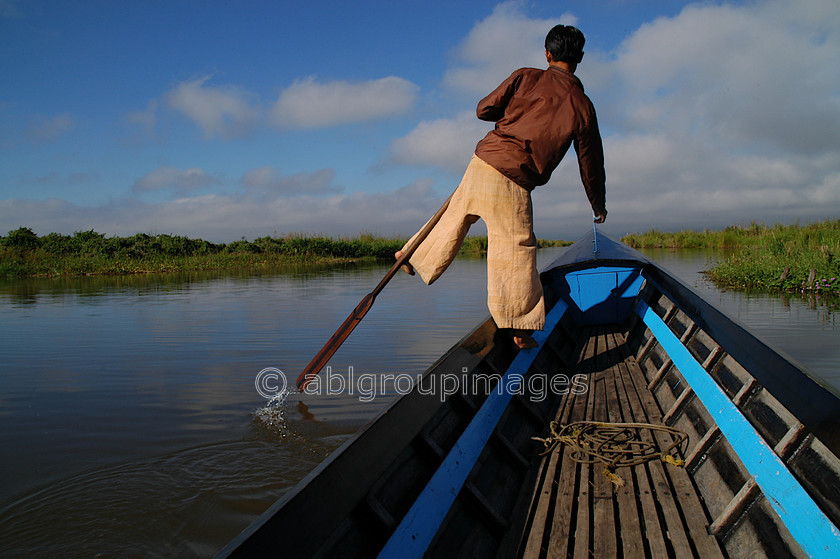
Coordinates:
(524, 340)
(405, 267)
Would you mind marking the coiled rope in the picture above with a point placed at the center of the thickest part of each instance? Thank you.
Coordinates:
(616, 445)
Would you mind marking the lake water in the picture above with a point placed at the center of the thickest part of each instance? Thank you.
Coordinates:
(132, 424)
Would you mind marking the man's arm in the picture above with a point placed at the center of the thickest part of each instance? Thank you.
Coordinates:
(492, 107)
(590, 154)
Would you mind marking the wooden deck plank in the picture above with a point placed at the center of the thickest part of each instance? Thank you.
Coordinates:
(657, 513)
(565, 495)
(537, 506)
(564, 518)
(548, 491)
(533, 543)
(674, 526)
(605, 543)
(561, 522)
(685, 493)
(586, 403)
(652, 529)
(557, 493)
(680, 502)
(630, 525)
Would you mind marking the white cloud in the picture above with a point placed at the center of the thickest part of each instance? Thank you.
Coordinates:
(219, 111)
(267, 202)
(309, 104)
(231, 112)
(227, 217)
(827, 193)
(182, 181)
(268, 181)
(445, 143)
(145, 119)
(505, 40)
(46, 129)
(723, 114)
(759, 74)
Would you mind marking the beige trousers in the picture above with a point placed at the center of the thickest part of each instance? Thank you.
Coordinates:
(514, 292)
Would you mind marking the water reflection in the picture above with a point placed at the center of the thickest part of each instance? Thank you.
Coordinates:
(32, 290)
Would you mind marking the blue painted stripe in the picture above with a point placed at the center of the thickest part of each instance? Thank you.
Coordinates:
(414, 534)
(813, 531)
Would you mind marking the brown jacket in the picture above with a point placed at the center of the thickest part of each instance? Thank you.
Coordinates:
(538, 115)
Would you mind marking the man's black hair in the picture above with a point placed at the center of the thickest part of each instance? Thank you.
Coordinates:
(565, 43)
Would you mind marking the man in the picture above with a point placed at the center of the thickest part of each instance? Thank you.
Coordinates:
(538, 115)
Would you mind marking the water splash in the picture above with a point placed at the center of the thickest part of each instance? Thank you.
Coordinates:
(273, 414)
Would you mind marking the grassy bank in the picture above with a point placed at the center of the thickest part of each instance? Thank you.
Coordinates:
(24, 254)
(478, 245)
(776, 258)
(756, 234)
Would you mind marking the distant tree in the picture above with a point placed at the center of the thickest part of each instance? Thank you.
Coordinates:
(22, 238)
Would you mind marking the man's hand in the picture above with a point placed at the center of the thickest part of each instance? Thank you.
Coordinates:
(601, 217)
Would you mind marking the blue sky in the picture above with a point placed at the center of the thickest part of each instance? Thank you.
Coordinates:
(228, 119)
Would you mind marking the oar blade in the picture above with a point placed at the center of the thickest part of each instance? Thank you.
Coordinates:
(322, 358)
(332, 345)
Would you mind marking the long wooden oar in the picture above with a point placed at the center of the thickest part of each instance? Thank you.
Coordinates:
(332, 345)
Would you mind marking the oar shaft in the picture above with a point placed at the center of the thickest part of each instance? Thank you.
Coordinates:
(320, 360)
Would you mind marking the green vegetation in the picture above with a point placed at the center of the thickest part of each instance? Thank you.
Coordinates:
(478, 245)
(24, 254)
(778, 258)
(731, 237)
(545, 243)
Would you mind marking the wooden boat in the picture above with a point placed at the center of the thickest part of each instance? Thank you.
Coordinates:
(624, 343)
